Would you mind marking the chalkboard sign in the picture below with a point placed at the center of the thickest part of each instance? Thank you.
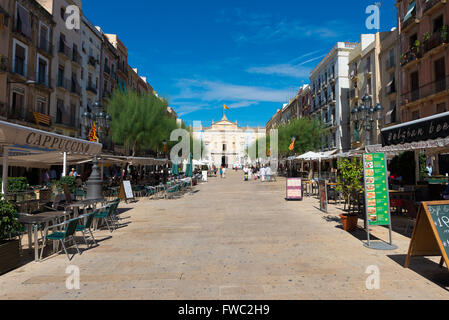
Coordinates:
(126, 191)
(431, 232)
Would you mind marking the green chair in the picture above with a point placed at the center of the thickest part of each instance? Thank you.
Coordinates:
(105, 214)
(62, 236)
(87, 226)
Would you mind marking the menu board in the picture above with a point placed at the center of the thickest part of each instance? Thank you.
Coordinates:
(294, 189)
(431, 232)
(376, 189)
(126, 191)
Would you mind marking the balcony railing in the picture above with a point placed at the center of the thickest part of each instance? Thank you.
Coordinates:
(91, 88)
(75, 87)
(427, 90)
(64, 49)
(76, 57)
(64, 83)
(21, 114)
(413, 54)
(17, 28)
(436, 39)
(45, 46)
(432, 3)
(43, 80)
(410, 20)
(390, 88)
(92, 61)
(123, 69)
(22, 69)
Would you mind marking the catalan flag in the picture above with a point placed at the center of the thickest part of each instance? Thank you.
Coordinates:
(42, 118)
(93, 134)
(226, 107)
(292, 146)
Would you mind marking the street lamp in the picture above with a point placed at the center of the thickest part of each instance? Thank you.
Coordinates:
(365, 116)
(97, 116)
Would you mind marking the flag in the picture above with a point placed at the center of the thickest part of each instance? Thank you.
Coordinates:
(93, 133)
(292, 146)
(226, 107)
(42, 118)
(269, 152)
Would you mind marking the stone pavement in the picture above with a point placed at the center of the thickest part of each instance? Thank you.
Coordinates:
(231, 240)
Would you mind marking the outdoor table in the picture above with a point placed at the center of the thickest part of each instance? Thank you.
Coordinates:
(33, 222)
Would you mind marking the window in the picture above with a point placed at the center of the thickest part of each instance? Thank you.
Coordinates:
(41, 105)
(441, 107)
(20, 58)
(23, 21)
(60, 76)
(438, 24)
(62, 13)
(42, 70)
(44, 35)
(59, 110)
(17, 104)
(412, 40)
(224, 147)
(391, 61)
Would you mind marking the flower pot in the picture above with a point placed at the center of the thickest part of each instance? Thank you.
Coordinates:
(349, 222)
(9, 255)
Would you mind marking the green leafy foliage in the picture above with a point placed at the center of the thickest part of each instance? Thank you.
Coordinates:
(16, 184)
(9, 224)
(308, 134)
(350, 178)
(140, 121)
(69, 181)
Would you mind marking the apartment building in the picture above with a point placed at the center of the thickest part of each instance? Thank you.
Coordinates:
(122, 60)
(65, 102)
(26, 95)
(390, 77)
(364, 90)
(274, 122)
(91, 44)
(424, 58)
(108, 68)
(5, 21)
(329, 83)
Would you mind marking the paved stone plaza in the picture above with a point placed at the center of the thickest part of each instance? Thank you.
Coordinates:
(230, 240)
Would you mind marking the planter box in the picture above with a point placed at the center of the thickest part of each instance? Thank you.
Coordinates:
(349, 222)
(9, 255)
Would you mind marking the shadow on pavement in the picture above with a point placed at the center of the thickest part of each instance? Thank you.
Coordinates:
(425, 268)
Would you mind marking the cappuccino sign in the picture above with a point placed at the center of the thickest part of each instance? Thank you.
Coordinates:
(432, 128)
(16, 135)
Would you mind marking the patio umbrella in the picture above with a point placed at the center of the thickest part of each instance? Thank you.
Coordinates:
(189, 172)
(174, 169)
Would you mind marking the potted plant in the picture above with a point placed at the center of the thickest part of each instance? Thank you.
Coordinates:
(350, 184)
(444, 31)
(9, 245)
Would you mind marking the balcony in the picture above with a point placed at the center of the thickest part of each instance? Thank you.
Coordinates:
(64, 49)
(353, 94)
(413, 54)
(91, 88)
(22, 69)
(433, 5)
(107, 70)
(75, 87)
(410, 20)
(123, 69)
(21, 114)
(65, 121)
(390, 88)
(43, 80)
(45, 46)
(436, 87)
(76, 57)
(92, 61)
(21, 30)
(63, 84)
(435, 40)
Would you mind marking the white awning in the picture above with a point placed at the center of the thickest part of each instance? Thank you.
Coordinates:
(42, 141)
(310, 156)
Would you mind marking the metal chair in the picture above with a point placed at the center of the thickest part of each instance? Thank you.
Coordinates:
(62, 236)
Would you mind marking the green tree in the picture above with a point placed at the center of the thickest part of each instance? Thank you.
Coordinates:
(140, 121)
(350, 178)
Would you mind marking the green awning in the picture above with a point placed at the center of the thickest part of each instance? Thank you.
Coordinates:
(410, 10)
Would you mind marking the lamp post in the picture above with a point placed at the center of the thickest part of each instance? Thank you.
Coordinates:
(103, 120)
(100, 118)
(365, 116)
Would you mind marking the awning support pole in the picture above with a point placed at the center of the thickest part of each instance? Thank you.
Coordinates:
(64, 165)
(5, 170)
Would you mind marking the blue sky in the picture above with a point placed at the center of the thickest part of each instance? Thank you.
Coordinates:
(250, 55)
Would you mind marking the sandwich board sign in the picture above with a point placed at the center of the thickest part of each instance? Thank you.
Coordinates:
(377, 199)
(294, 189)
(126, 191)
(431, 232)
